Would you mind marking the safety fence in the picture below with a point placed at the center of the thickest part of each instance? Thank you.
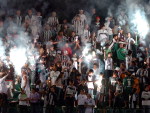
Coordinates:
(15, 109)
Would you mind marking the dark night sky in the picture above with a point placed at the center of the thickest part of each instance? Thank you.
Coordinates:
(64, 8)
(68, 8)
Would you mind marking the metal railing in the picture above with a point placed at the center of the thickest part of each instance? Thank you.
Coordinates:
(62, 109)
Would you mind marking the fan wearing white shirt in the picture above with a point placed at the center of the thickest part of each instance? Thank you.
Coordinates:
(90, 81)
(53, 20)
(122, 18)
(82, 16)
(128, 59)
(3, 85)
(29, 16)
(108, 66)
(89, 104)
(54, 75)
(23, 102)
(70, 96)
(86, 35)
(34, 29)
(102, 36)
(109, 30)
(129, 41)
(96, 70)
(81, 101)
(146, 99)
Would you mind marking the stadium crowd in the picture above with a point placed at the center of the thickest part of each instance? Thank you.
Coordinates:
(83, 63)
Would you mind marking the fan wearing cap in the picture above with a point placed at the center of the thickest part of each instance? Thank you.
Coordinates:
(97, 20)
(94, 15)
(95, 25)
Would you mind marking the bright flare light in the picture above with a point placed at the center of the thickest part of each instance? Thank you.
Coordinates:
(99, 82)
(85, 51)
(2, 51)
(89, 57)
(18, 58)
(140, 23)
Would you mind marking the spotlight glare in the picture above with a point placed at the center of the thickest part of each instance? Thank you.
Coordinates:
(140, 23)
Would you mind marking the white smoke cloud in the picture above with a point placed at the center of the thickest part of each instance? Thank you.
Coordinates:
(140, 23)
(2, 51)
(18, 58)
(23, 53)
(137, 17)
(137, 11)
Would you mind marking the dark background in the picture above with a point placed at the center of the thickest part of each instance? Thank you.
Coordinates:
(66, 9)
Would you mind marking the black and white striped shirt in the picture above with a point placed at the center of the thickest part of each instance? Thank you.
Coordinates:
(18, 20)
(46, 36)
(65, 60)
(53, 21)
(51, 98)
(78, 27)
